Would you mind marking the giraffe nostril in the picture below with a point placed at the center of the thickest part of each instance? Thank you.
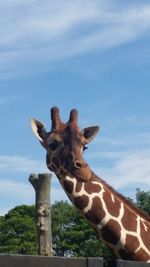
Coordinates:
(78, 165)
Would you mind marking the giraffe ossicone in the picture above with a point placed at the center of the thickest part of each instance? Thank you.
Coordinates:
(120, 225)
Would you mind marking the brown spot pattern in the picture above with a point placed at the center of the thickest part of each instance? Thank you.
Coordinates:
(92, 188)
(132, 243)
(56, 162)
(112, 207)
(68, 186)
(81, 202)
(96, 213)
(129, 220)
(62, 172)
(111, 232)
(145, 235)
(141, 254)
(78, 186)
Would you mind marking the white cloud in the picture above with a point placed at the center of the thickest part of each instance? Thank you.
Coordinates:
(128, 169)
(121, 141)
(15, 193)
(125, 132)
(46, 31)
(21, 164)
(134, 168)
(15, 190)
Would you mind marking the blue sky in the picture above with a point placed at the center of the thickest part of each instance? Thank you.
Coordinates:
(89, 55)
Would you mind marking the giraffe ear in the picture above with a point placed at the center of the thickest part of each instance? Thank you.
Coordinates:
(90, 132)
(38, 129)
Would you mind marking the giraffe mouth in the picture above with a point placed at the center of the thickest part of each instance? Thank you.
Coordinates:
(78, 167)
(81, 172)
(83, 175)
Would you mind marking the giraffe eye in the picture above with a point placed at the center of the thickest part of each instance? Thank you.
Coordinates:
(84, 148)
(54, 145)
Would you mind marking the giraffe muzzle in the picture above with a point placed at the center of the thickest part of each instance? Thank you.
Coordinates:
(81, 170)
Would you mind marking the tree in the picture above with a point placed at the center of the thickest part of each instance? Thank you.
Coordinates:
(73, 236)
(41, 184)
(143, 200)
(17, 231)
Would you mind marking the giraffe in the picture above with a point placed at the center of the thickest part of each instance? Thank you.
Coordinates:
(120, 225)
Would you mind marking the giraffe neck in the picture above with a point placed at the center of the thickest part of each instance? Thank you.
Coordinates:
(119, 224)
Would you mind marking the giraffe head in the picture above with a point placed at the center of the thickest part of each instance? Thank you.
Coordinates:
(65, 144)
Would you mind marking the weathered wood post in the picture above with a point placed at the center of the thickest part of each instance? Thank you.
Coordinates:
(41, 184)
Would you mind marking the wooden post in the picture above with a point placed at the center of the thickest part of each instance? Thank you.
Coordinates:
(41, 184)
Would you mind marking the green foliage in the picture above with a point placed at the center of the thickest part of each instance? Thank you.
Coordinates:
(143, 200)
(73, 236)
(17, 228)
